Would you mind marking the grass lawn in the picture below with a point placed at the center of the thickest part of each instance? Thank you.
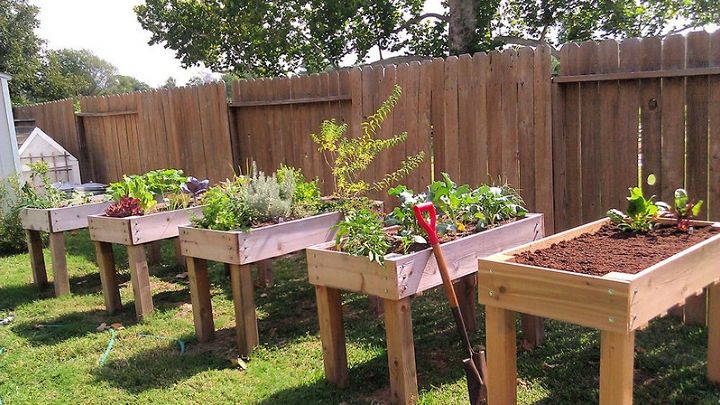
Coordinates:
(58, 363)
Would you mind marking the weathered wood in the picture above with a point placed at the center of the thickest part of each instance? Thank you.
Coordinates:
(200, 298)
(467, 301)
(713, 354)
(108, 276)
(61, 279)
(37, 260)
(179, 258)
(137, 230)
(258, 244)
(332, 335)
(533, 329)
(405, 275)
(616, 368)
(35, 219)
(305, 100)
(401, 351)
(245, 319)
(264, 273)
(651, 74)
(140, 278)
(501, 356)
(153, 253)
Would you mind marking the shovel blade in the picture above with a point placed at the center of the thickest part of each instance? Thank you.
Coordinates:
(476, 385)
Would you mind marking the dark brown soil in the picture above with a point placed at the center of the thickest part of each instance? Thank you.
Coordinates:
(610, 249)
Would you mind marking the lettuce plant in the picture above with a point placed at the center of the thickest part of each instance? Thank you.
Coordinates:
(124, 207)
(640, 216)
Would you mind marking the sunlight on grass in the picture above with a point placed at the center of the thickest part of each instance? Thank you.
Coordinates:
(52, 348)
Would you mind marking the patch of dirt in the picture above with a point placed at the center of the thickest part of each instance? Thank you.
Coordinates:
(611, 249)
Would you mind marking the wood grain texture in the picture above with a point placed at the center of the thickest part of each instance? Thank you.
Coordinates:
(37, 260)
(501, 356)
(713, 356)
(616, 368)
(61, 278)
(246, 329)
(200, 299)
(140, 279)
(401, 351)
(108, 276)
(332, 335)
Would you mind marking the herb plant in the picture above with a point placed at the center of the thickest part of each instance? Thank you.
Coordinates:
(641, 213)
(169, 186)
(683, 212)
(349, 157)
(225, 208)
(361, 233)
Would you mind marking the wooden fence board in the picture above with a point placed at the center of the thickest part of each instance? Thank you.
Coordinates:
(650, 113)
(526, 132)
(626, 154)
(698, 55)
(713, 207)
(673, 117)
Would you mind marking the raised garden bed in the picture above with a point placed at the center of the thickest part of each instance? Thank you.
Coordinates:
(238, 249)
(55, 222)
(638, 279)
(134, 232)
(395, 281)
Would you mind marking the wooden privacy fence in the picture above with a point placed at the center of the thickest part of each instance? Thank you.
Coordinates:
(572, 143)
(652, 100)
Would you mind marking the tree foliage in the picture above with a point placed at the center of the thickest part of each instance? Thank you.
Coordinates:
(269, 37)
(19, 47)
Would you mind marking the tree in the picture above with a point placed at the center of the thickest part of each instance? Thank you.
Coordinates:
(272, 37)
(72, 73)
(170, 83)
(124, 84)
(19, 47)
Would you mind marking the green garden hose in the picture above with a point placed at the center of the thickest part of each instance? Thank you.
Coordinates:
(109, 347)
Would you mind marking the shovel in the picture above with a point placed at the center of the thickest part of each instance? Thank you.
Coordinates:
(475, 364)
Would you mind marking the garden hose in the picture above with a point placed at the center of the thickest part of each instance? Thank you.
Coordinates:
(109, 347)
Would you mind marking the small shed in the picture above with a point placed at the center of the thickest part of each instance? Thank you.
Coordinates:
(9, 161)
(37, 146)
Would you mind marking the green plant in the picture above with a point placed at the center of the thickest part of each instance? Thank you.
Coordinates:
(683, 212)
(349, 157)
(133, 186)
(267, 198)
(164, 185)
(12, 234)
(641, 213)
(306, 199)
(225, 208)
(361, 233)
(124, 207)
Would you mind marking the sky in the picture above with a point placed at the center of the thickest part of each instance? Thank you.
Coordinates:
(110, 30)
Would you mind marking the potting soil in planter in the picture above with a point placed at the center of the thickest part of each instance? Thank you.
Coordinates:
(611, 249)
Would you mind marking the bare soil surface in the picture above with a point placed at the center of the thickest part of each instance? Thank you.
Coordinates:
(611, 249)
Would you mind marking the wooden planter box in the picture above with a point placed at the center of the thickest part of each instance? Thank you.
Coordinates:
(54, 221)
(617, 303)
(398, 279)
(134, 233)
(238, 250)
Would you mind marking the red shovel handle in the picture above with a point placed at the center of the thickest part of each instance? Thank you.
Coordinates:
(428, 207)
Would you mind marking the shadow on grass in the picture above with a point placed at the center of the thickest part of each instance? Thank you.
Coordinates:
(55, 330)
(14, 296)
(164, 366)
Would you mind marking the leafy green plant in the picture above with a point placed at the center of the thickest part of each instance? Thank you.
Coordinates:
(12, 234)
(349, 157)
(361, 233)
(641, 213)
(683, 212)
(133, 186)
(306, 199)
(268, 198)
(225, 208)
(165, 185)
(124, 207)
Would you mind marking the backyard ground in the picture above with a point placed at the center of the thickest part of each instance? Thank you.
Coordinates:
(50, 353)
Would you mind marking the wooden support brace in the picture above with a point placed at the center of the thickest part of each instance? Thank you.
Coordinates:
(617, 357)
(37, 260)
(264, 273)
(154, 253)
(696, 309)
(200, 298)
(465, 291)
(108, 276)
(501, 356)
(61, 279)
(245, 319)
(401, 351)
(332, 335)
(179, 258)
(140, 278)
(533, 329)
(713, 359)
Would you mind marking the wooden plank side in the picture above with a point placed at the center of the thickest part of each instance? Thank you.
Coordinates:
(72, 218)
(466, 158)
(508, 116)
(543, 135)
(425, 119)
(494, 111)
(673, 118)
(412, 122)
(438, 115)
(569, 199)
(650, 115)
(451, 161)
(160, 225)
(570, 297)
(611, 135)
(477, 140)
(526, 127)
(626, 167)
(713, 204)
(207, 244)
(590, 141)
(698, 55)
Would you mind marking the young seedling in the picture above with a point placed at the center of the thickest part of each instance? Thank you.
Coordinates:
(641, 213)
(683, 212)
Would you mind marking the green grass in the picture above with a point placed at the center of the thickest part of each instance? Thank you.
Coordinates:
(59, 363)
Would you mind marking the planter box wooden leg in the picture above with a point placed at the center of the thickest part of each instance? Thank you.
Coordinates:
(501, 356)
(617, 357)
(533, 329)
(264, 273)
(245, 318)
(153, 252)
(465, 291)
(713, 359)
(140, 277)
(200, 298)
(696, 309)
(61, 279)
(376, 305)
(401, 351)
(108, 276)
(179, 258)
(332, 335)
(37, 260)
